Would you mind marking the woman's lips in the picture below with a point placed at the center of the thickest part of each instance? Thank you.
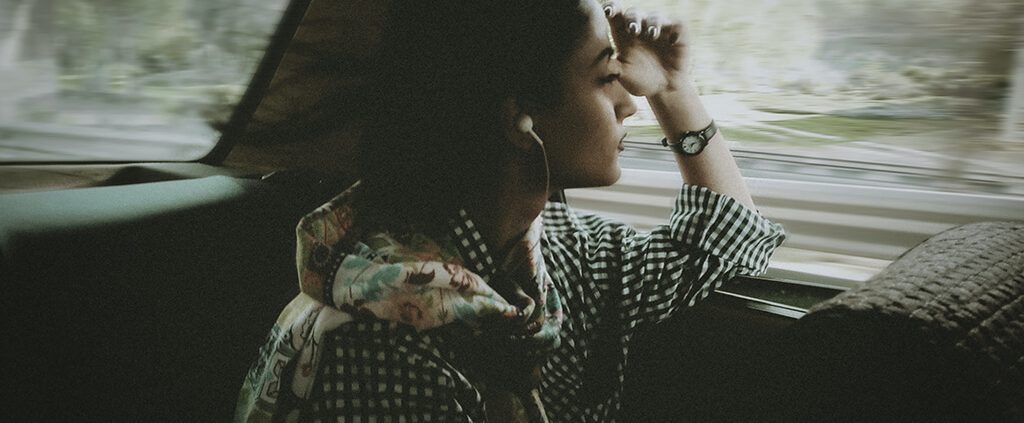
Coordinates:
(622, 142)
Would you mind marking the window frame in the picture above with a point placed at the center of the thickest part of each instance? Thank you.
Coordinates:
(819, 217)
(277, 48)
(871, 224)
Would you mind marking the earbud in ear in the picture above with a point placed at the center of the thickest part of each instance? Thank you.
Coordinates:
(524, 124)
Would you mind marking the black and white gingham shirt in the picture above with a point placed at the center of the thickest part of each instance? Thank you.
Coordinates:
(612, 279)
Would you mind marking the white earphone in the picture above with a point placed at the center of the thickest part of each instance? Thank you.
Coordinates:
(525, 125)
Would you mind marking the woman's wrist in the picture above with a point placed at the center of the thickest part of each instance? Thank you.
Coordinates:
(679, 109)
(681, 86)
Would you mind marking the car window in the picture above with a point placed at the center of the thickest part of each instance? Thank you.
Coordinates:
(118, 80)
(925, 94)
(864, 126)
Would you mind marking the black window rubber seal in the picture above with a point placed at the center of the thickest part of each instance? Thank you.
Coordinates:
(234, 129)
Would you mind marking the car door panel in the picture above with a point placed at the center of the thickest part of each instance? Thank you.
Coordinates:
(144, 302)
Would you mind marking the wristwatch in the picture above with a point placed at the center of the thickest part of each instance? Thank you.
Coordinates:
(693, 142)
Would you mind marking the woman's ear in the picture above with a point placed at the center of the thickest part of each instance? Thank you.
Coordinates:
(512, 120)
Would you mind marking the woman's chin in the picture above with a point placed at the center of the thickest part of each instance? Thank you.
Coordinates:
(616, 174)
(608, 178)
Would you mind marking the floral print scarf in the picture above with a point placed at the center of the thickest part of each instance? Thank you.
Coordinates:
(347, 273)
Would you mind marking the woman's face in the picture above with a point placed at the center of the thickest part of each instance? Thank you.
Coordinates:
(583, 135)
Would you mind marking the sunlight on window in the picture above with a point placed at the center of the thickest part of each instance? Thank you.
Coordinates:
(913, 93)
(98, 80)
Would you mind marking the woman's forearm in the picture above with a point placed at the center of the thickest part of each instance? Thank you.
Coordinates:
(680, 111)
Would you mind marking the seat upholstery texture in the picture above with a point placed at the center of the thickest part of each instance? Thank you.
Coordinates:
(936, 336)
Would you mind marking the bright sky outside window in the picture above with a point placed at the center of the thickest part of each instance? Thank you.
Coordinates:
(131, 80)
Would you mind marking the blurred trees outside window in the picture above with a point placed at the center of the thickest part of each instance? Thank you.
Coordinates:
(925, 94)
(918, 93)
(124, 79)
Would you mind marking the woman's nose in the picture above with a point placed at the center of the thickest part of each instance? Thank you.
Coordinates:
(626, 106)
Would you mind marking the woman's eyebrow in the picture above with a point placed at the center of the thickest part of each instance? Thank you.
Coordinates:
(605, 55)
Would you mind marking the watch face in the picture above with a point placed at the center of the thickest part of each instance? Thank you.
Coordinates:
(691, 144)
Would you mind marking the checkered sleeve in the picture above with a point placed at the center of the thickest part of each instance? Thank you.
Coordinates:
(377, 371)
(709, 239)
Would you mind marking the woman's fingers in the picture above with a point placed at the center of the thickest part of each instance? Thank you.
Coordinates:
(633, 22)
(611, 9)
(672, 33)
(619, 21)
(651, 28)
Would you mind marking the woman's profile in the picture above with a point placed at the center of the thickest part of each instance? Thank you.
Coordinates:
(444, 286)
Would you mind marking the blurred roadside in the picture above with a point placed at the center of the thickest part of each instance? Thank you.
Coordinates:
(927, 142)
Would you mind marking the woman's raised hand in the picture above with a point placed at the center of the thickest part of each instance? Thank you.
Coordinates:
(654, 52)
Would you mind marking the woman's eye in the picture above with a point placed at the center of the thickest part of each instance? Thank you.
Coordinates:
(610, 78)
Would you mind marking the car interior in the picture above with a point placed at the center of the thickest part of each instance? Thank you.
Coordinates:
(141, 290)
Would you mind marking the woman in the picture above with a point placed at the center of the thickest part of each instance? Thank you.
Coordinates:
(444, 286)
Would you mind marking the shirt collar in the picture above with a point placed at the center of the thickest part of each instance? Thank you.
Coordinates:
(476, 256)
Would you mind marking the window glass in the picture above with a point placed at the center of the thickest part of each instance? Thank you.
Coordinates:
(912, 93)
(124, 80)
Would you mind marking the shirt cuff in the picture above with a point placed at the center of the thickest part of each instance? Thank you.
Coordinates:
(724, 228)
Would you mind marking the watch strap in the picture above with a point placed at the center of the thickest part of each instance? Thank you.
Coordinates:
(705, 136)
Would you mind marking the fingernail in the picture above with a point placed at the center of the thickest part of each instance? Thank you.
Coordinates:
(608, 11)
(634, 28)
(652, 32)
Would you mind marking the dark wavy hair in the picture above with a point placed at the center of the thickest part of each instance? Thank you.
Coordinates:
(434, 132)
